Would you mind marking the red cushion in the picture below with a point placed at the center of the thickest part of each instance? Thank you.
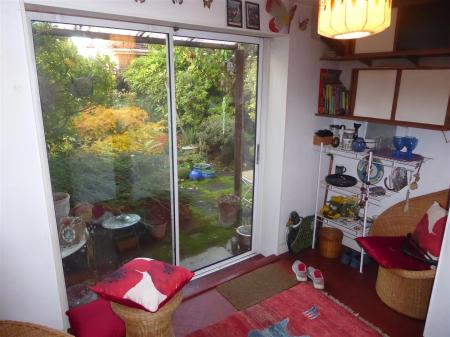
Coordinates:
(430, 230)
(95, 319)
(387, 252)
(144, 283)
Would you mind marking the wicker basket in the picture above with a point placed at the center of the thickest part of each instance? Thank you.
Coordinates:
(330, 242)
(141, 323)
(406, 291)
(22, 329)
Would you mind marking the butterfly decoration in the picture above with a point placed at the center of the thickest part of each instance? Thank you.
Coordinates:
(282, 17)
(177, 2)
(207, 3)
(303, 24)
(140, 1)
(276, 330)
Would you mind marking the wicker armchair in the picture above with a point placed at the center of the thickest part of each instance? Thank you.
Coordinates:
(22, 329)
(407, 292)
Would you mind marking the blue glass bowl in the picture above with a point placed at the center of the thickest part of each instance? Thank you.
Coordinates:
(411, 144)
(398, 144)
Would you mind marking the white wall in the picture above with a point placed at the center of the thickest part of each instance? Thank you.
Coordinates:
(299, 169)
(30, 273)
(191, 14)
(273, 142)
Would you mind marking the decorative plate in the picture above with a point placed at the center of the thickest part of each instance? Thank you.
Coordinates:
(341, 180)
(398, 179)
(376, 173)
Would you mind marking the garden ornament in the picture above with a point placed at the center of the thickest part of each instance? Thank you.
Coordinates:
(282, 16)
(207, 3)
(303, 24)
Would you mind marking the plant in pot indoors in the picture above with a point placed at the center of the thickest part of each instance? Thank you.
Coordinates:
(229, 206)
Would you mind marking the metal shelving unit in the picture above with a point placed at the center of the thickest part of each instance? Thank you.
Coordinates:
(356, 228)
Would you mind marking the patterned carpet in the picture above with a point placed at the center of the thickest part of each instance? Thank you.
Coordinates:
(299, 311)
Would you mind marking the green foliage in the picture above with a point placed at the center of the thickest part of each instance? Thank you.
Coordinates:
(200, 74)
(215, 133)
(147, 77)
(58, 65)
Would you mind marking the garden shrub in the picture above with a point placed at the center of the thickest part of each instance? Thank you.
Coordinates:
(214, 134)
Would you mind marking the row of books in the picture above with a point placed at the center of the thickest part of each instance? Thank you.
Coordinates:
(335, 99)
(333, 96)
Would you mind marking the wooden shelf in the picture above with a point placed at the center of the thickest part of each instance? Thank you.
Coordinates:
(395, 54)
(388, 121)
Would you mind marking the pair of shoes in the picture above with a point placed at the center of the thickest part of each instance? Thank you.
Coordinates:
(316, 277)
(302, 273)
(299, 269)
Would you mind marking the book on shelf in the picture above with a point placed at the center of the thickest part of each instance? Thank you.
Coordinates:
(333, 95)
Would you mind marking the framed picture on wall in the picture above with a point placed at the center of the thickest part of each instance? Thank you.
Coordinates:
(234, 13)
(252, 15)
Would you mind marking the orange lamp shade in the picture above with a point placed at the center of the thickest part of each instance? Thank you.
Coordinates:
(353, 19)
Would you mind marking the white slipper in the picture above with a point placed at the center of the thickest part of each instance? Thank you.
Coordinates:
(299, 269)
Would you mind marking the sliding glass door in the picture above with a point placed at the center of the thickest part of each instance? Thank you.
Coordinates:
(106, 120)
(216, 96)
(151, 143)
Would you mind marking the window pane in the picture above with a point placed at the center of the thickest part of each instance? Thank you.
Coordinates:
(104, 100)
(216, 94)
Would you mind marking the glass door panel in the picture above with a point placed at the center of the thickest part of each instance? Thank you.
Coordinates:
(104, 100)
(216, 96)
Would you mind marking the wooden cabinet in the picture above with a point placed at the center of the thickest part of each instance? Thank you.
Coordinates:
(409, 97)
(423, 96)
(374, 93)
(416, 97)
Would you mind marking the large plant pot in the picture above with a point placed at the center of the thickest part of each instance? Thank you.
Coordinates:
(244, 233)
(229, 206)
(61, 201)
(158, 230)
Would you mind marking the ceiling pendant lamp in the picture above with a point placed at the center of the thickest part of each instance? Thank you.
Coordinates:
(353, 19)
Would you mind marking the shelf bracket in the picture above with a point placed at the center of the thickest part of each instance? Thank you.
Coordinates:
(367, 62)
(414, 60)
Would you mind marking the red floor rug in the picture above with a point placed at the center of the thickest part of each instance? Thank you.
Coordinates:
(268, 318)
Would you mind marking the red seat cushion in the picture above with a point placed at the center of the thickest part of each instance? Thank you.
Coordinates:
(95, 319)
(143, 283)
(387, 252)
(430, 230)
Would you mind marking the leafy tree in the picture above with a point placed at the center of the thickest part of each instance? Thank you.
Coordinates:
(59, 65)
(200, 74)
(104, 130)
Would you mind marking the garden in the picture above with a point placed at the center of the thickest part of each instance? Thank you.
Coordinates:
(108, 142)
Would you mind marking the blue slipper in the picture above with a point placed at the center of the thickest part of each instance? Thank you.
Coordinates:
(346, 256)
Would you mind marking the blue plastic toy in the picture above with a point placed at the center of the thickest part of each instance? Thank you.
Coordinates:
(202, 171)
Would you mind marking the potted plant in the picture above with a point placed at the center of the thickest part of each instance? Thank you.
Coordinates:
(229, 206)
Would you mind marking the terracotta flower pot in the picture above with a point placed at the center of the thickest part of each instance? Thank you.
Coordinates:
(62, 205)
(158, 230)
(229, 206)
